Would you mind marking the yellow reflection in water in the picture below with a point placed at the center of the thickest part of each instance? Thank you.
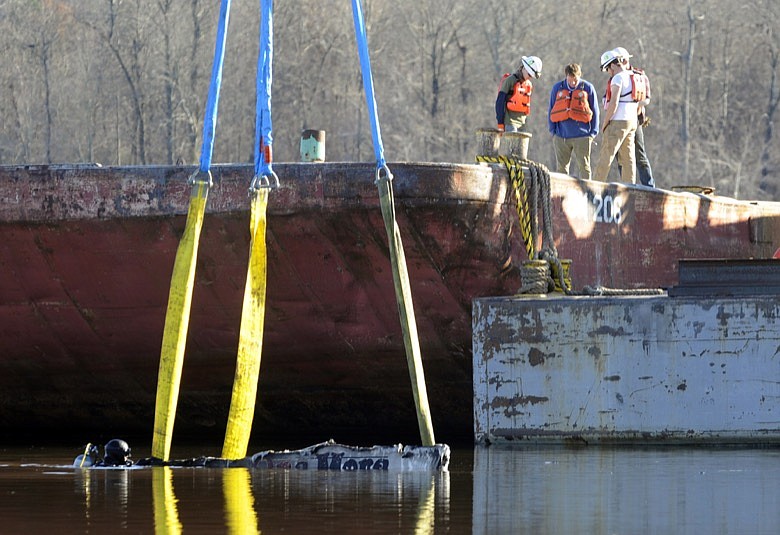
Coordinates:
(166, 514)
(427, 509)
(240, 514)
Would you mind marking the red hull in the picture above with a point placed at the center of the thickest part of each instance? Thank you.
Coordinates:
(87, 254)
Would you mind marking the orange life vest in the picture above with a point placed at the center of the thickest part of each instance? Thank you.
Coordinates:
(638, 86)
(519, 98)
(571, 105)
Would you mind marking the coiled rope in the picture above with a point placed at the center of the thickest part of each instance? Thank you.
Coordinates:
(544, 271)
(603, 291)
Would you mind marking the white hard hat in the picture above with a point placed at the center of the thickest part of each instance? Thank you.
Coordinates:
(622, 53)
(608, 57)
(533, 65)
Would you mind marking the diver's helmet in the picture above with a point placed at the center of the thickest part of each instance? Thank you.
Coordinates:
(117, 452)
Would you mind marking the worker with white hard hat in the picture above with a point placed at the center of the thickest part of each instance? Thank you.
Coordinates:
(644, 172)
(619, 121)
(513, 103)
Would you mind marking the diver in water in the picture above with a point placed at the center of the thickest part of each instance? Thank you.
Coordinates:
(116, 453)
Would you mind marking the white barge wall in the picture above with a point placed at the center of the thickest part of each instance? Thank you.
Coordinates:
(632, 369)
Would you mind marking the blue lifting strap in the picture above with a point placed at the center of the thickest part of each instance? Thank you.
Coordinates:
(368, 82)
(401, 282)
(264, 174)
(210, 121)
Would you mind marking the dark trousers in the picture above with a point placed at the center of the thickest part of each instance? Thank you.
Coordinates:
(643, 170)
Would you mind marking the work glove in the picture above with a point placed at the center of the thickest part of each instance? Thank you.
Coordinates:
(500, 128)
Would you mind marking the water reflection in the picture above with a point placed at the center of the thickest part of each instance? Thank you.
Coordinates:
(427, 509)
(240, 515)
(166, 514)
(487, 491)
(601, 490)
(381, 502)
(294, 500)
(83, 482)
(99, 486)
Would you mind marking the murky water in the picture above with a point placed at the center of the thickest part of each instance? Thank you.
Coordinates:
(486, 491)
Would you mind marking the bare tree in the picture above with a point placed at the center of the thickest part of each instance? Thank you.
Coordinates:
(686, 59)
(169, 75)
(39, 42)
(42, 51)
(126, 44)
(768, 45)
(131, 89)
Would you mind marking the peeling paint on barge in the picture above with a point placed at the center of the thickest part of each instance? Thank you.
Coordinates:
(693, 370)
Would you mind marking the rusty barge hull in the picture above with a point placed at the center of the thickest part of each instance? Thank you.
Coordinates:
(87, 254)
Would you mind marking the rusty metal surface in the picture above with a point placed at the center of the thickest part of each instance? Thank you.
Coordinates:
(87, 259)
(86, 255)
(622, 236)
(627, 370)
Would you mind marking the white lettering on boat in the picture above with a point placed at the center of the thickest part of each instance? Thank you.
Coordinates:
(593, 207)
(607, 208)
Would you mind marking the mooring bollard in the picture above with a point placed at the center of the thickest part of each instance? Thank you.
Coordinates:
(515, 144)
(313, 146)
(488, 142)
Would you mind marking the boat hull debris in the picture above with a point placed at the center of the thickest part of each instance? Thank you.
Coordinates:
(332, 457)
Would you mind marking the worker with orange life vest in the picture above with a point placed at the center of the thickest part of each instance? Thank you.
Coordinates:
(573, 120)
(513, 103)
(620, 118)
(643, 170)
